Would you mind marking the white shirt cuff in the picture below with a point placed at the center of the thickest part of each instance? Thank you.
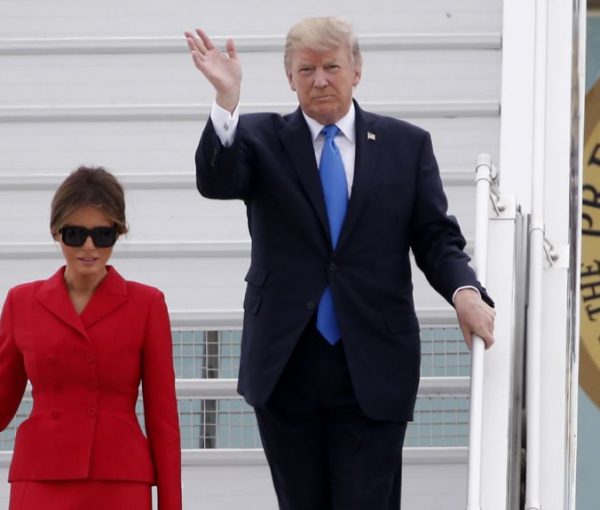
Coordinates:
(225, 123)
(465, 287)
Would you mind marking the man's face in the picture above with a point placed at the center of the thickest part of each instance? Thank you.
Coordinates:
(323, 82)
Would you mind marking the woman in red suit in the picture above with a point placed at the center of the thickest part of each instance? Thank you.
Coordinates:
(86, 338)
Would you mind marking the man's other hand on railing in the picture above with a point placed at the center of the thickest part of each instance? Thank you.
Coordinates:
(475, 317)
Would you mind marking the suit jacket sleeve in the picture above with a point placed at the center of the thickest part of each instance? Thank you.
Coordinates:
(13, 377)
(224, 172)
(436, 239)
(160, 405)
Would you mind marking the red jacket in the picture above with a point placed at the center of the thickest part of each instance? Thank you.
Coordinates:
(85, 372)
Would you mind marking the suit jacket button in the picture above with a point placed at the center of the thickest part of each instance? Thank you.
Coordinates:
(332, 266)
(310, 305)
(91, 412)
(55, 415)
(91, 358)
(51, 359)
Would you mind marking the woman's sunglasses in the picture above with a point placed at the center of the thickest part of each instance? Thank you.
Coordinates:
(103, 237)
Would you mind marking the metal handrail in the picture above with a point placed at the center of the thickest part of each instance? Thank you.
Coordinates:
(485, 181)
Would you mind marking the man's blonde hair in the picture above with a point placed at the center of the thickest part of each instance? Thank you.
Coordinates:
(321, 34)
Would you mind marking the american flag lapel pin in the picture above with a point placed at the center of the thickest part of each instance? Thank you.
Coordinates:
(370, 136)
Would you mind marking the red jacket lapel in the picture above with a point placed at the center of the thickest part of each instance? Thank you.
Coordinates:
(54, 296)
(108, 296)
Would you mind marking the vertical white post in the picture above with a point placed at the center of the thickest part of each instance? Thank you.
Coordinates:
(483, 178)
(536, 262)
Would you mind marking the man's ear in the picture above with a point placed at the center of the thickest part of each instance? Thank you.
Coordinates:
(290, 81)
(356, 77)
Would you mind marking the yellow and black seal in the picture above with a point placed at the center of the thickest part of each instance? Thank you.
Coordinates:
(589, 360)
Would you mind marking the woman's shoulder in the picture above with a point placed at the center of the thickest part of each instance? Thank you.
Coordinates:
(139, 292)
(142, 289)
(32, 287)
(26, 289)
(146, 297)
(117, 282)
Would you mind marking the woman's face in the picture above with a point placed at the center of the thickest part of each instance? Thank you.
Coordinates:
(86, 261)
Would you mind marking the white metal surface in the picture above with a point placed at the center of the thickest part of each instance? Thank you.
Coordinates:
(564, 118)
(165, 147)
(501, 390)
(520, 119)
(437, 74)
(153, 18)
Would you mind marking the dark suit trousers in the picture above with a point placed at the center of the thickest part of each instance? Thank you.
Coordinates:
(323, 451)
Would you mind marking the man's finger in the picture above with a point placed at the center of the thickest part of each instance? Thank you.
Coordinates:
(231, 51)
(467, 336)
(487, 337)
(206, 42)
(191, 41)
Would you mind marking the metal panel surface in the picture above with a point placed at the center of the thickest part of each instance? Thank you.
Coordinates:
(162, 146)
(113, 17)
(112, 79)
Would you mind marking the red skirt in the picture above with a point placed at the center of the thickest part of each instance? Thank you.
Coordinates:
(80, 495)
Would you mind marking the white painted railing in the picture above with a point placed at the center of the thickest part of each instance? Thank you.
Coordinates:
(536, 262)
(484, 177)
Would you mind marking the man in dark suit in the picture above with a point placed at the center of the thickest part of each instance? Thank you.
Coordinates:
(336, 197)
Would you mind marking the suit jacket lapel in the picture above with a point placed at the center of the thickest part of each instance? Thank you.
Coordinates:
(299, 146)
(365, 165)
(108, 296)
(54, 296)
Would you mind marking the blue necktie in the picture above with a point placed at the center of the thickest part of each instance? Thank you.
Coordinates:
(335, 190)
